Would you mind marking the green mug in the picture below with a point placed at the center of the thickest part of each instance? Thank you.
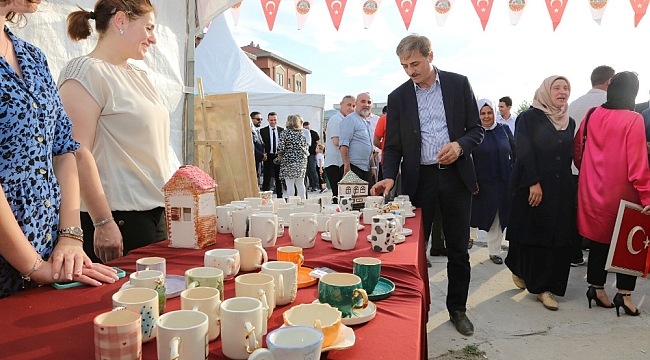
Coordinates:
(342, 291)
(205, 277)
(368, 270)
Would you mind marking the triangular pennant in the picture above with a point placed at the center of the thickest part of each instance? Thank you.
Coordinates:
(369, 8)
(556, 10)
(483, 9)
(640, 7)
(597, 8)
(442, 8)
(302, 10)
(270, 8)
(234, 11)
(406, 8)
(336, 8)
(516, 9)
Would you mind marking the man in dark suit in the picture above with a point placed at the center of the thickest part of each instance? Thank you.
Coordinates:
(432, 126)
(258, 144)
(640, 107)
(271, 138)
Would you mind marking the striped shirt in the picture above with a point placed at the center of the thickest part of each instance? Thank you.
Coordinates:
(433, 121)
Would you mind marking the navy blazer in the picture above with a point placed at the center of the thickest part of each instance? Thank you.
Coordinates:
(403, 138)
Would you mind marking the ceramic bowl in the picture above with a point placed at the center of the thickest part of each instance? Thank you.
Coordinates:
(311, 315)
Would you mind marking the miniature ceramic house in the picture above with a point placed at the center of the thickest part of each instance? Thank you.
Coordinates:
(190, 208)
(352, 186)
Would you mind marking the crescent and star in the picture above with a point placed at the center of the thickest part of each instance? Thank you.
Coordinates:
(630, 237)
(267, 7)
(336, 2)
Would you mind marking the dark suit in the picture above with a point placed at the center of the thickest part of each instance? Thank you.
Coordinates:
(640, 107)
(427, 185)
(258, 147)
(271, 169)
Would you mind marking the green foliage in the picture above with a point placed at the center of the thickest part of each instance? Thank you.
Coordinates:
(524, 105)
(473, 350)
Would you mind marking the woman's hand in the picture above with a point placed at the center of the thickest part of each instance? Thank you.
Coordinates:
(646, 210)
(68, 259)
(535, 195)
(108, 242)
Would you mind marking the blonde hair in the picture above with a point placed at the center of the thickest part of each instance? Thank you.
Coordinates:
(294, 122)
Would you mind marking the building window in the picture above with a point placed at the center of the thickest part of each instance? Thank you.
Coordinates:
(298, 86)
(181, 214)
(279, 75)
(288, 83)
(297, 81)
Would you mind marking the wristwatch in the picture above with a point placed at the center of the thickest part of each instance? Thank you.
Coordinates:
(72, 230)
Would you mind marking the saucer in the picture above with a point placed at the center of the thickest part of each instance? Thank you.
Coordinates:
(383, 290)
(174, 285)
(398, 240)
(304, 279)
(409, 215)
(344, 340)
(406, 232)
(359, 316)
(326, 236)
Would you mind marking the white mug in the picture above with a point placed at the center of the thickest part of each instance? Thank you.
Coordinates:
(207, 301)
(331, 209)
(227, 260)
(241, 327)
(368, 213)
(152, 263)
(224, 218)
(374, 201)
(258, 286)
(321, 222)
(143, 301)
(313, 208)
(303, 229)
(265, 227)
(183, 334)
(343, 230)
(265, 208)
(252, 254)
(291, 343)
(285, 275)
(383, 232)
(253, 201)
(150, 279)
(295, 200)
(241, 223)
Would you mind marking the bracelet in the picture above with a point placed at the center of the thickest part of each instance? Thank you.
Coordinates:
(103, 222)
(72, 236)
(373, 168)
(27, 277)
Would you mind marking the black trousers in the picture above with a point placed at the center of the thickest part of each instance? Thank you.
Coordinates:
(334, 175)
(271, 170)
(138, 228)
(437, 235)
(596, 274)
(445, 188)
(576, 246)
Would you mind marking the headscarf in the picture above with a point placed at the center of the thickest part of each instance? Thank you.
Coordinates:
(490, 103)
(542, 101)
(622, 91)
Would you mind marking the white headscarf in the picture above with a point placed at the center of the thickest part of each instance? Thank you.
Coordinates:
(490, 103)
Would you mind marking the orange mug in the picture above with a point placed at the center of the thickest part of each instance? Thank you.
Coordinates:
(292, 254)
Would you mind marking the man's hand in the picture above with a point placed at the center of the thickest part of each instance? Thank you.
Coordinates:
(535, 195)
(449, 153)
(382, 188)
(346, 169)
(264, 158)
(108, 242)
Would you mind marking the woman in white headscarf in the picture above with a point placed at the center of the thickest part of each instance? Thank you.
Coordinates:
(493, 160)
(541, 223)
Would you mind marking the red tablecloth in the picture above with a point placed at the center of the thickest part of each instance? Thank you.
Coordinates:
(57, 324)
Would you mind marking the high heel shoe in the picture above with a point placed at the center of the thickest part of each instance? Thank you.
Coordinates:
(591, 295)
(618, 302)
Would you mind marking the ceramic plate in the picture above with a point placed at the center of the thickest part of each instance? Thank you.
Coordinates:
(304, 279)
(398, 240)
(384, 289)
(359, 316)
(326, 236)
(406, 232)
(344, 340)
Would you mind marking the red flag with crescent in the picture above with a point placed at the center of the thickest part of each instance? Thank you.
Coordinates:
(556, 10)
(406, 8)
(483, 9)
(336, 8)
(628, 253)
(270, 8)
(640, 7)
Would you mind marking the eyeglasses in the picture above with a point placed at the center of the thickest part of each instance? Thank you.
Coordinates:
(260, 119)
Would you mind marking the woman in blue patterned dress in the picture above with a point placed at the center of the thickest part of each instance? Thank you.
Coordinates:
(39, 198)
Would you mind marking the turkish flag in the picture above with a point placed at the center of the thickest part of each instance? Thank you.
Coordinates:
(483, 9)
(406, 8)
(628, 253)
(640, 7)
(270, 8)
(336, 8)
(556, 10)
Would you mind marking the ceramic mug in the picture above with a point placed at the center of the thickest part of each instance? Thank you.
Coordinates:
(346, 202)
(295, 200)
(265, 227)
(342, 291)
(152, 263)
(183, 334)
(291, 343)
(383, 232)
(258, 286)
(143, 301)
(224, 218)
(280, 227)
(313, 207)
(303, 229)
(323, 317)
(150, 279)
(368, 269)
(368, 213)
(253, 201)
(343, 230)
(285, 275)
(118, 335)
(241, 222)
(252, 254)
(241, 204)
(331, 209)
(227, 260)
(292, 254)
(374, 202)
(205, 277)
(241, 327)
(321, 222)
(402, 198)
(207, 301)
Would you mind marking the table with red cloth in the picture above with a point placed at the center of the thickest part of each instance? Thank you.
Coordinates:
(58, 324)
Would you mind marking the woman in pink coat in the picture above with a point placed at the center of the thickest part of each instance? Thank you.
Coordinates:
(614, 167)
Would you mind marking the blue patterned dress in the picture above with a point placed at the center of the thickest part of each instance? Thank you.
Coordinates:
(33, 129)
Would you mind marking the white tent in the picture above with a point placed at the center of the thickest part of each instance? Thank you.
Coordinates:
(225, 68)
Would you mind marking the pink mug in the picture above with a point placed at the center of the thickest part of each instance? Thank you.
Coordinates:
(118, 335)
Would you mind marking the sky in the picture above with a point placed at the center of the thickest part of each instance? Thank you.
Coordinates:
(502, 60)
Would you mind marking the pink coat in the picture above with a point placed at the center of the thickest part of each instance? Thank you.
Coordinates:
(614, 167)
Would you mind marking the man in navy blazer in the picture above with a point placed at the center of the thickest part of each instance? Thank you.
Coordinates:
(432, 126)
(271, 138)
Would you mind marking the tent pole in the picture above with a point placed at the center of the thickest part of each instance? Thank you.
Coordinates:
(188, 121)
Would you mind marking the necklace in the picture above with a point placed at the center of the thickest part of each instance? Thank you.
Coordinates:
(4, 54)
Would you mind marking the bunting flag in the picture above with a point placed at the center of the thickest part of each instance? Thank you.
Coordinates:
(597, 9)
(302, 10)
(270, 8)
(483, 9)
(234, 11)
(442, 8)
(516, 9)
(336, 8)
(406, 8)
(369, 8)
(556, 10)
(640, 7)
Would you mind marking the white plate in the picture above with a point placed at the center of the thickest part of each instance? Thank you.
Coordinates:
(326, 236)
(174, 285)
(398, 240)
(359, 316)
(344, 340)
(406, 232)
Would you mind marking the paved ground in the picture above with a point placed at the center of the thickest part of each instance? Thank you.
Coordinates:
(511, 324)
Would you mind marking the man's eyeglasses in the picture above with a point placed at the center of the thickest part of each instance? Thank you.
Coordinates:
(259, 119)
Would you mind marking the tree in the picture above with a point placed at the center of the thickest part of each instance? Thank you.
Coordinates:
(524, 105)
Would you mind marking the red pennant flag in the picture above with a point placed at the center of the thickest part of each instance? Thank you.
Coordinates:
(556, 10)
(270, 8)
(406, 10)
(336, 8)
(483, 9)
(640, 7)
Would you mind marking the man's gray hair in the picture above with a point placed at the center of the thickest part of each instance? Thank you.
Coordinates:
(413, 43)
